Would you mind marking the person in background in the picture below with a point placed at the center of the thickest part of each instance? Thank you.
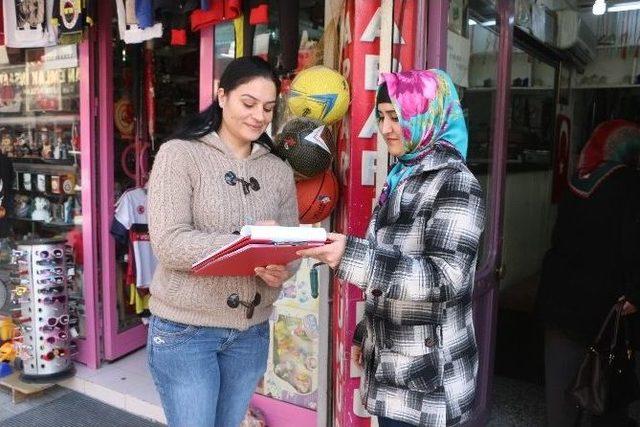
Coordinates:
(592, 262)
(209, 336)
(416, 265)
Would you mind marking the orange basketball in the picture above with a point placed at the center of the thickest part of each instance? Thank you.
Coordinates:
(317, 197)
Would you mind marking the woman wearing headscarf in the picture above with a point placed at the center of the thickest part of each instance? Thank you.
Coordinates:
(592, 262)
(416, 265)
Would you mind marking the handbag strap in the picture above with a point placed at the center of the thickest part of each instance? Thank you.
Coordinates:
(616, 328)
(617, 311)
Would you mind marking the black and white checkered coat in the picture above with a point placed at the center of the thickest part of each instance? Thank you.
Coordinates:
(416, 267)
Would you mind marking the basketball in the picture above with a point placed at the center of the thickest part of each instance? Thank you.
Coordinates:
(317, 197)
(319, 93)
(307, 145)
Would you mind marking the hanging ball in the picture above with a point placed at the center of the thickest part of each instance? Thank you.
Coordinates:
(319, 93)
(307, 145)
(317, 197)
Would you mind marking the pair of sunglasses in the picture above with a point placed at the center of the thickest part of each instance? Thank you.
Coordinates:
(61, 299)
(56, 253)
(51, 290)
(52, 339)
(58, 352)
(56, 321)
(56, 280)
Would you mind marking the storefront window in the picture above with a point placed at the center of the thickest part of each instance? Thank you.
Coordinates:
(40, 181)
(478, 31)
(155, 88)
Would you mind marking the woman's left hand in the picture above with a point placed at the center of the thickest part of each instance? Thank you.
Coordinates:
(627, 307)
(331, 253)
(274, 275)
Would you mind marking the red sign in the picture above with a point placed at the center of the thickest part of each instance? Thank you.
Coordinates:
(561, 162)
(360, 26)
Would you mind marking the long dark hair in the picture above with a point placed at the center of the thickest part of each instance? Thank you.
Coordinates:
(238, 72)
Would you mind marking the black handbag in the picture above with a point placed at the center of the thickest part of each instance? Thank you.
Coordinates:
(606, 379)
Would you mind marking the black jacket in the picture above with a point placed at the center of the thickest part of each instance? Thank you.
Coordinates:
(595, 254)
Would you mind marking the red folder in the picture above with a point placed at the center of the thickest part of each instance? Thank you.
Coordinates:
(241, 257)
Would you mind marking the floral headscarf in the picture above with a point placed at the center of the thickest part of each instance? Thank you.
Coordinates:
(429, 112)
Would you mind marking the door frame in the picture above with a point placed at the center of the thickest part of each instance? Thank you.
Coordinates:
(88, 347)
(485, 296)
(116, 343)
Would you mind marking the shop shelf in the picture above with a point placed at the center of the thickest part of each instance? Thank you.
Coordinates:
(609, 86)
(48, 224)
(40, 194)
(513, 88)
(49, 119)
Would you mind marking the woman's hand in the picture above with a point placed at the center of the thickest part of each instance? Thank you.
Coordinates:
(330, 254)
(627, 307)
(273, 275)
(356, 356)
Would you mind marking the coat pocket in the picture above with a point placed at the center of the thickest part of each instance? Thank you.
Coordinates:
(422, 373)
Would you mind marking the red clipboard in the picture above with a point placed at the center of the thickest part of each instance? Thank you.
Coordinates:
(241, 257)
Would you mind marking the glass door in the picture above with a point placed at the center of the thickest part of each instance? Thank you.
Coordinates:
(145, 89)
(487, 28)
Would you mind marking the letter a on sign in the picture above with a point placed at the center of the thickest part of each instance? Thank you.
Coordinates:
(373, 30)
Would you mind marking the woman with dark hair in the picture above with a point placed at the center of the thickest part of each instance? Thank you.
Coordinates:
(416, 265)
(592, 263)
(209, 336)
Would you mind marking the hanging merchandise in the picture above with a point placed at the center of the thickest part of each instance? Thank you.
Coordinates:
(253, 13)
(256, 12)
(72, 18)
(239, 36)
(219, 11)
(144, 13)
(129, 27)
(289, 12)
(149, 92)
(124, 116)
(27, 23)
(130, 227)
(319, 93)
(6, 183)
(174, 14)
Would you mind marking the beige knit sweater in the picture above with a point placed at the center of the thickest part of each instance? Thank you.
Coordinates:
(193, 212)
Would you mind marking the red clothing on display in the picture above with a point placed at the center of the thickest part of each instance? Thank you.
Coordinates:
(219, 11)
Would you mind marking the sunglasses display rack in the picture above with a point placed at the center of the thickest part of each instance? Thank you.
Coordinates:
(44, 266)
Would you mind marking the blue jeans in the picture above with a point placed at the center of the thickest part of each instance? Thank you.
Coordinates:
(206, 376)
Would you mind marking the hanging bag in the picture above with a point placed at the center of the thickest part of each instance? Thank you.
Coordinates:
(606, 379)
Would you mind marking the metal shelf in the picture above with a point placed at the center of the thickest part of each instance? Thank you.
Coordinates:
(64, 119)
(605, 86)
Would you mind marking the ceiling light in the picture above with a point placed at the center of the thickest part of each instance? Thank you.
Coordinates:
(491, 23)
(599, 7)
(623, 7)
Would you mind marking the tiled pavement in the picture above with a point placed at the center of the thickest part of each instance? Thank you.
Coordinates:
(126, 384)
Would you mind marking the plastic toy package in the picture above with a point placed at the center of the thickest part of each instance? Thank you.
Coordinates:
(292, 370)
(297, 292)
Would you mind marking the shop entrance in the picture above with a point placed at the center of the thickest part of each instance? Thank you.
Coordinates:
(556, 100)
